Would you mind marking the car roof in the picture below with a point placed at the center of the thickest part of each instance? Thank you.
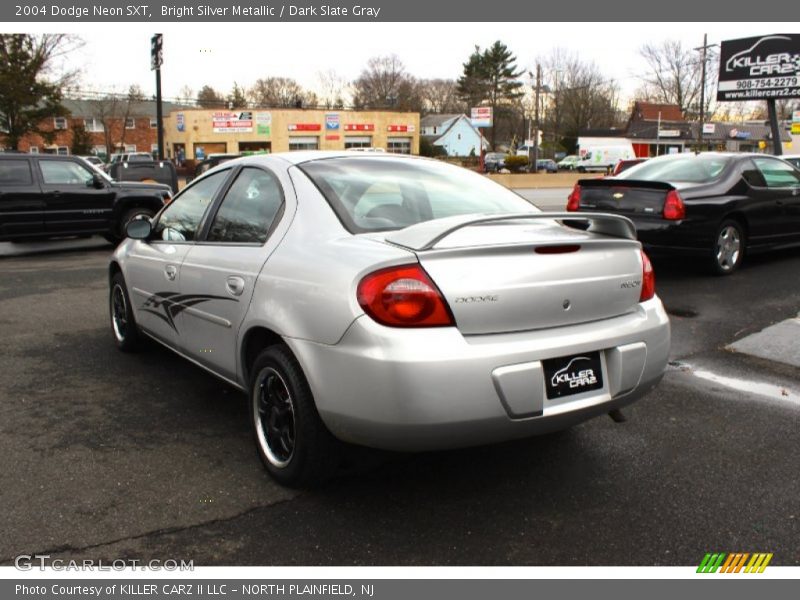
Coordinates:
(302, 156)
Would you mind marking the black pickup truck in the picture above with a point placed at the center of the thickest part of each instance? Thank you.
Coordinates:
(50, 196)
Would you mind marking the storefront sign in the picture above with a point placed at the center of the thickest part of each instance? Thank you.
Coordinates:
(760, 68)
(263, 123)
(232, 122)
(739, 135)
(709, 128)
(400, 128)
(305, 127)
(795, 128)
(796, 116)
(481, 116)
(332, 138)
(359, 127)
(666, 133)
(332, 121)
(180, 121)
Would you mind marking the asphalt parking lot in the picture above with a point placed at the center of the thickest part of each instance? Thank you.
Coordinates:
(106, 455)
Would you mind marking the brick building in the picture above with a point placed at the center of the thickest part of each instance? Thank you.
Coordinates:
(114, 125)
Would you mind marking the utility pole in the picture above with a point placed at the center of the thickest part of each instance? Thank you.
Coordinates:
(535, 159)
(156, 60)
(704, 48)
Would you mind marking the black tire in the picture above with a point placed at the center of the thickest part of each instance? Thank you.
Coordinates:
(581, 169)
(291, 439)
(727, 252)
(124, 329)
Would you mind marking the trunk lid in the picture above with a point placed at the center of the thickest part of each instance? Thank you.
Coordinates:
(532, 273)
(629, 197)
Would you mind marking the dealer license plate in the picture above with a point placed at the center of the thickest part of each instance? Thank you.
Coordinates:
(569, 375)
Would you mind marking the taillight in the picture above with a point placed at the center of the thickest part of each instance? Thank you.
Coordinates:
(574, 199)
(403, 296)
(648, 279)
(674, 209)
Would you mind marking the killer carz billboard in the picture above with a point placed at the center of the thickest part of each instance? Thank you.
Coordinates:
(760, 68)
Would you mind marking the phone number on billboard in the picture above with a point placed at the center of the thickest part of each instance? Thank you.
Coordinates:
(772, 82)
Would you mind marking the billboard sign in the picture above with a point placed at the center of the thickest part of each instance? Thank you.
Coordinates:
(232, 122)
(481, 116)
(180, 121)
(760, 68)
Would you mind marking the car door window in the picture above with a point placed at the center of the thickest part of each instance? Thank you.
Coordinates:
(15, 172)
(181, 219)
(248, 209)
(777, 173)
(59, 172)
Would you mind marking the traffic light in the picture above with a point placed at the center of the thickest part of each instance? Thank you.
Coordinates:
(156, 51)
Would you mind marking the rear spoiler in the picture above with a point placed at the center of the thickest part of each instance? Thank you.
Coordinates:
(626, 183)
(425, 235)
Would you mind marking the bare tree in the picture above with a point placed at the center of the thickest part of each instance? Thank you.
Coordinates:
(132, 105)
(208, 97)
(385, 83)
(440, 96)
(277, 92)
(186, 96)
(333, 88)
(577, 96)
(675, 74)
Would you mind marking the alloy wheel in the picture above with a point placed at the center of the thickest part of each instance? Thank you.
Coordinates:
(275, 423)
(729, 248)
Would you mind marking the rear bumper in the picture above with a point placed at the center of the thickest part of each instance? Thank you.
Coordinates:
(428, 389)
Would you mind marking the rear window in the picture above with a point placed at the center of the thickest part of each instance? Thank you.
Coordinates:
(15, 172)
(379, 194)
(690, 168)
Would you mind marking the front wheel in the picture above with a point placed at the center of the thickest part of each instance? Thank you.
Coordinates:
(728, 250)
(292, 441)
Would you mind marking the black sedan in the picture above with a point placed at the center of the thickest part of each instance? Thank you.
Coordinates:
(719, 206)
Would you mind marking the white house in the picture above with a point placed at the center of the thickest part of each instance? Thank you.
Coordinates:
(454, 133)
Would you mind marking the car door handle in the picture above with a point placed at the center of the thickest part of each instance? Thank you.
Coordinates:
(171, 271)
(234, 285)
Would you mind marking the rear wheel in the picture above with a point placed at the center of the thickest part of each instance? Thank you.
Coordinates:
(292, 441)
(123, 324)
(728, 251)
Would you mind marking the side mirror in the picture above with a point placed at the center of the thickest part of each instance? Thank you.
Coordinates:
(139, 229)
(97, 181)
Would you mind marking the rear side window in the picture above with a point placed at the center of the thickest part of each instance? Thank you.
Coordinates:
(181, 219)
(15, 172)
(777, 173)
(248, 209)
(383, 193)
(57, 172)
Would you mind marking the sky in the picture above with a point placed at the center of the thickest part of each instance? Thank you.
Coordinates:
(219, 54)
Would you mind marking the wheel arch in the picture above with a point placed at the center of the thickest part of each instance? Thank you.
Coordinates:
(254, 341)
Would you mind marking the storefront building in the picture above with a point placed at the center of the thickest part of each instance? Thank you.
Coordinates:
(196, 134)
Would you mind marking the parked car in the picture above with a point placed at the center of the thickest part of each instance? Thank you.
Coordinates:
(50, 195)
(94, 160)
(720, 206)
(127, 157)
(792, 158)
(568, 162)
(389, 301)
(624, 165)
(547, 164)
(209, 163)
(493, 162)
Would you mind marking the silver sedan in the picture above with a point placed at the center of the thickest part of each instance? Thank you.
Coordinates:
(391, 302)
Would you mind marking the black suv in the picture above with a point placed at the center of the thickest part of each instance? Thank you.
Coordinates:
(50, 196)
